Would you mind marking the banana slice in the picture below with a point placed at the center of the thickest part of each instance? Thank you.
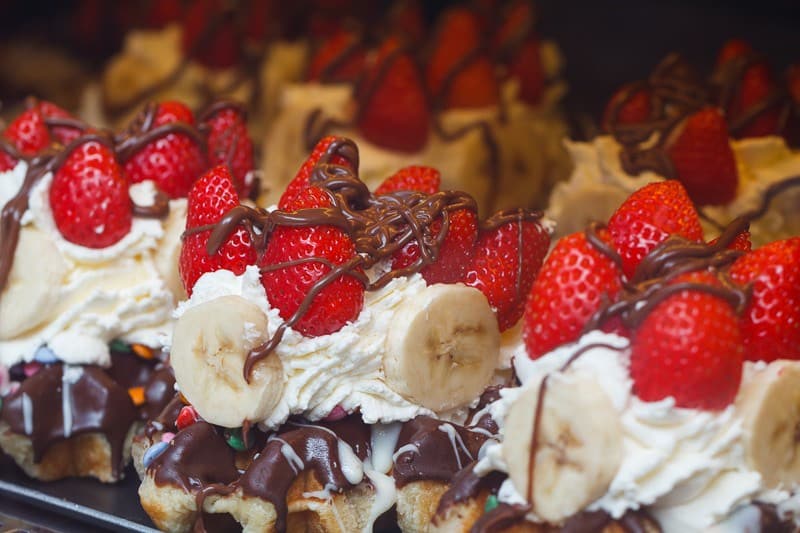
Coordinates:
(770, 407)
(31, 292)
(442, 347)
(209, 347)
(579, 445)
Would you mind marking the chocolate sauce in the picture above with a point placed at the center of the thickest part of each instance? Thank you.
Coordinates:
(159, 392)
(165, 419)
(465, 486)
(501, 517)
(60, 402)
(378, 226)
(431, 449)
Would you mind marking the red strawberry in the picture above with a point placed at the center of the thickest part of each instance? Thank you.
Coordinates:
(703, 158)
(757, 84)
(159, 14)
(648, 217)
(210, 198)
(340, 58)
(455, 252)
(28, 133)
(733, 49)
(771, 323)
(634, 107)
(230, 144)
(187, 416)
(572, 285)
(63, 134)
(301, 179)
(689, 347)
(793, 82)
(173, 161)
(505, 266)
(407, 19)
(89, 197)
(209, 34)
(518, 47)
(394, 110)
(337, 303)
(475, 84)
(741, 242)
(413, 178)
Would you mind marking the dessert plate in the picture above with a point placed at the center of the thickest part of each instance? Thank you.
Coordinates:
(71, 501)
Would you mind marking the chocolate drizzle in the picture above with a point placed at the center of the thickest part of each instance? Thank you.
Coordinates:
(59, 402)
(465, 486)
(378, 225)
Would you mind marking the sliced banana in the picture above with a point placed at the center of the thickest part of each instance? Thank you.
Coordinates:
(209, 346)
(769, 404)
(31, 292)
(442, 347)
(579, 445)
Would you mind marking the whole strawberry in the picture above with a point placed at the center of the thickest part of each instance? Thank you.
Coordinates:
(506, 261)
(210, 198)
(301, 181)
(339, 59)
(689, 347)
(648, 217)
(230, 144)
(771, 322)
(517, 46)
(28, 134)
(632, 105)
(62, 133)
(209, 34)
(574, 282)
(175, 160)
(413, 178)
(703, 158)
(297, 258)
(89, 197)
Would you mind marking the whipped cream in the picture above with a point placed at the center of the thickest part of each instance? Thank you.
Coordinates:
(686, 465)
(599, 184)
(343, 368)
(76, 299)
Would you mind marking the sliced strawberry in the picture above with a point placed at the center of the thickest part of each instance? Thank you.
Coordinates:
(573, 283)
(703, 158)
(339, 59)
(229, 143)
(173, 161)
(210, 198)
(62, 134)
(648, 217)
(475, 84)
(689, 347)
(209, 34)
(301, 179)
(771, 322)
(28, 133)
(505, 264)
(413, 178)
(455, 252)
(89, 197)
(633, 105)
(341, 300)
(395, 112)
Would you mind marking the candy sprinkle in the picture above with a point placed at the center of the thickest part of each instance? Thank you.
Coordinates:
(153, 452)
(137, 395)
(167, 437)
(234, 439)
(119, 346)
(491, 503)
(142, 351)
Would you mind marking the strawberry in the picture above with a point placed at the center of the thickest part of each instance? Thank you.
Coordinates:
(230, 144)
(159, 14)
(573, 283)
(771, 322)
(209, 34)
(454, 254)
(733, 49)
(63, 134)
(210, 198)
(526, 66)
(506, 260)
(301, 179)
(89, 197)
(475, 84)
(703, 158)
(413, 178)
(28, 134)
(340, 301)
(173, 161)
(741, 242)
(407, 19)
(518, 48)
(636, 108)
(339, 59)
(689, 347)
(757, 84)
(394, 110)
(648, 217)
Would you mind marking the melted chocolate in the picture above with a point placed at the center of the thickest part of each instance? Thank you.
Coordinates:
(165, 420)
(431, 453)
(501, 517)
(59, 402)
(467, 485)
(159, 393)
(377, 225)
